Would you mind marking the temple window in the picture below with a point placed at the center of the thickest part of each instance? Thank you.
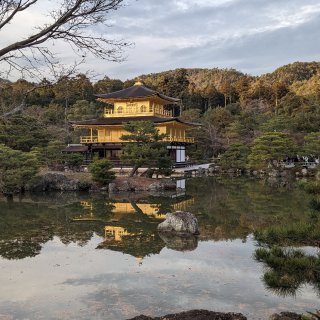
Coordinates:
(143, 109)
(120, 109)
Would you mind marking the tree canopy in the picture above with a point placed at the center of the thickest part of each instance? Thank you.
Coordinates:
(144, 146)
(270, 147)
(236, 157)
(16, 169)
(312, 144)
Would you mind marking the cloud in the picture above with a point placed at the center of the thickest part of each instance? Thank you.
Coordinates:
(258, 52)
(254, 36)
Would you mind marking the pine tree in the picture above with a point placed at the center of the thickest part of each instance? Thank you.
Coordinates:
(144, 146)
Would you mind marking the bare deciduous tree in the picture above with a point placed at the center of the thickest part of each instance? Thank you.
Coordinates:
(71, 21)
(214, 138)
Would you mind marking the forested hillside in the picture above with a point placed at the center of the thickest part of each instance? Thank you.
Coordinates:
(235, 109)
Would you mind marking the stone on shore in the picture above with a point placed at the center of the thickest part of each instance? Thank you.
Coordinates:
(286, 316)
(53, 181)
(179, 222)
(143, 184)
(196, 315)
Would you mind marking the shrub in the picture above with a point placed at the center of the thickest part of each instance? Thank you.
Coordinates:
(315, 204)
(73, 160)
(101, 171)
(312, 187)
(84, 186)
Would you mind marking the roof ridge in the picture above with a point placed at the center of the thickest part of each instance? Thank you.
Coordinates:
(136, 92)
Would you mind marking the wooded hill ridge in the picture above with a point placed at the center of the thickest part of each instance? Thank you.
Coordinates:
(197, 87)
(234, 107)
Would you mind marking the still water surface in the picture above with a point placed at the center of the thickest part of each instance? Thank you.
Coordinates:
(90, 256)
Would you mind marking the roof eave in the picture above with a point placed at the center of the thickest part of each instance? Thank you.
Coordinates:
(110, 100)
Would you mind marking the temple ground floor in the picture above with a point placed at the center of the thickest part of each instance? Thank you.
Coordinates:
(112, 151)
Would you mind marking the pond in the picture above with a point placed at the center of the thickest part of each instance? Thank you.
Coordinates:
(91, 256)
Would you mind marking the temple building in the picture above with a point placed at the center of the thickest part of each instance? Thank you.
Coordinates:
(136, 103)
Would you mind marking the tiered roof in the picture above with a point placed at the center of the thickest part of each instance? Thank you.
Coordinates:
(137, 91)
(121, 120)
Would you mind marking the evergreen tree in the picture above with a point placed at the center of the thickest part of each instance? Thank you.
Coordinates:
(107, 85)
(16, 169)
(312, 144)
(144, 146)
(83, 110)
(52, 154)
(236, 157)
(270, 148)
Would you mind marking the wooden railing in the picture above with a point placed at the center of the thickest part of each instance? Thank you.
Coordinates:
(137, 111)
(89, 139)
(96, 139)
(179, 139)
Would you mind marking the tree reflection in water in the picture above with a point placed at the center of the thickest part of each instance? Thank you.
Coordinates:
(289, 269)
(226, 209)
(28, 223)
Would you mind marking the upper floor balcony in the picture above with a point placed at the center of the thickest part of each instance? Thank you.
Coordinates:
(135, 110)
(96, 139)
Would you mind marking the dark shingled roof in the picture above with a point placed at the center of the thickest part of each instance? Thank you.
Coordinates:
(121, 120)
(136, 91)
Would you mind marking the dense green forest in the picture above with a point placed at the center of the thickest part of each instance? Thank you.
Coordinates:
(241, 115)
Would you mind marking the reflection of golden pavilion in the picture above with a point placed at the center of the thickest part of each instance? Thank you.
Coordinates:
(88, 215)
(149, 209)
(116, 232)
(183, 205)
(86, 205)
(114, 239)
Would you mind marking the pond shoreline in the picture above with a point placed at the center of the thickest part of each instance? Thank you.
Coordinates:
(80, 181)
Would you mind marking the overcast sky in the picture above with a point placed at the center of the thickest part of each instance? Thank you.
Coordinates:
(253, 36)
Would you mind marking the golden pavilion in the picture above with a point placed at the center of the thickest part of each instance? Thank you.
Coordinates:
(136, 103)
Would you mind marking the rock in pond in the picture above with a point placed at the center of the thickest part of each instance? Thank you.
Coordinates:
(178, 242)
(180, 222)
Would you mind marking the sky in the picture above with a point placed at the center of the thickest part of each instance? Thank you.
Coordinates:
(253, 36)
